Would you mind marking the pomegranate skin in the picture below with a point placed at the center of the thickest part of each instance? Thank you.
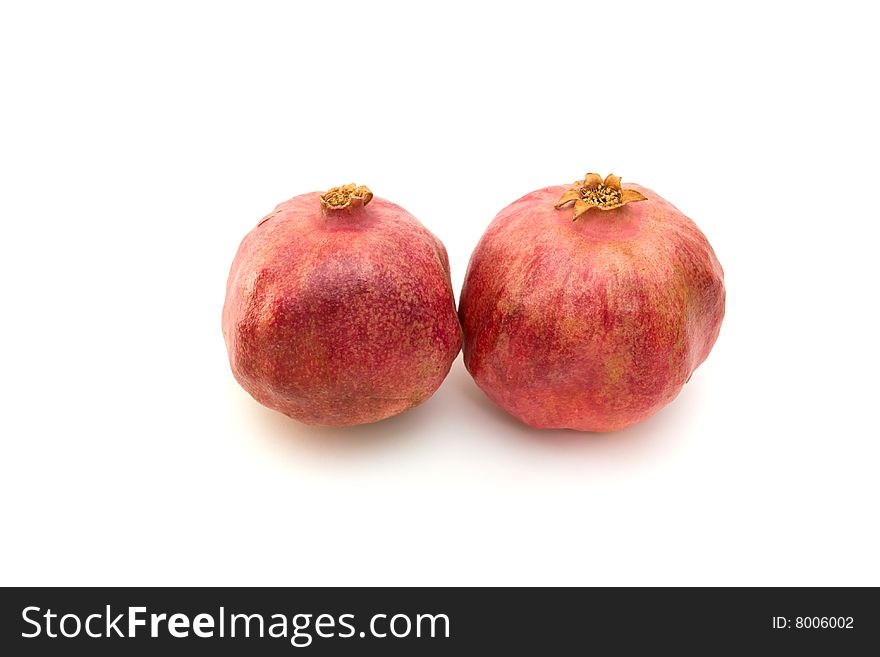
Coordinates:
(343, 316)
(593, 324)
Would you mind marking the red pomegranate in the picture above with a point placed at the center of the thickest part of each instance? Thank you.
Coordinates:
(588, 306)
(338, 312)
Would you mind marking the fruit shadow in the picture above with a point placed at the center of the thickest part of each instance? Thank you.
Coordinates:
(461, 406)
(286, 433)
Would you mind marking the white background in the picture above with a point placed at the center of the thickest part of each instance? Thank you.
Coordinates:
(139, 142)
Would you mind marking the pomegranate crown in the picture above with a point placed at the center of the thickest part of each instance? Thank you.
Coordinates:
(345, 196)
(593, 192)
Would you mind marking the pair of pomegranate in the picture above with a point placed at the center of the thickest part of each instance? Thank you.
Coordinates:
(585, 306)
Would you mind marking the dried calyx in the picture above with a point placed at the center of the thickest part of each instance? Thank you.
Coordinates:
(346, 196)
(593, 192)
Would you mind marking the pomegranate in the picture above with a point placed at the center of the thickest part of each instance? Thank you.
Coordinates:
(588, 306)
(339, 309)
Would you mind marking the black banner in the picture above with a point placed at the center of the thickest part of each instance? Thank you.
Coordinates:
(418, 621)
